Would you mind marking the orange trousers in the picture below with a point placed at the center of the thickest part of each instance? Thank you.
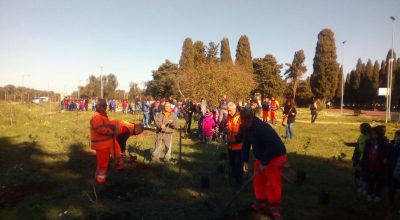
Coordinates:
(268, 184)
(103, 158)
(265, 116)
(274, 115)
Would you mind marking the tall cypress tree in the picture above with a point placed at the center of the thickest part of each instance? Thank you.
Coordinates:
(199, 57)
(366, 88)
(187, 56)
(383, 75)
(243, 53)
(225, 51)
(325, 75)
(338, 95)
(355, 81)
(348, 98)
(375, 78)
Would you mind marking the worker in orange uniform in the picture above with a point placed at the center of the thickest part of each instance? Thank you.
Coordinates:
(235, 150)
(103, 140)
(274, 106)
(125, 130)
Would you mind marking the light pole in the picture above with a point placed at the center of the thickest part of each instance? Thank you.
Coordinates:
(101, 80)
(79, 83)
(390, 76)
(341, 100)
(23, 81)
(23, 78)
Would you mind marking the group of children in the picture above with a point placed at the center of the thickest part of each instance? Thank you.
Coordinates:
(377, 163)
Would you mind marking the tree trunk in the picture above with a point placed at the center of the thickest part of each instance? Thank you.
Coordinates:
(294, 89)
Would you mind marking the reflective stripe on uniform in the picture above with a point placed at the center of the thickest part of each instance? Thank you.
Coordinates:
(101, 126)
(101, 139)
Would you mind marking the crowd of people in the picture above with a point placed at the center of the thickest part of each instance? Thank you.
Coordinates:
(376, 161)
(241, 125)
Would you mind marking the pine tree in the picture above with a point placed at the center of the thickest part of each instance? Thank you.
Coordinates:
(296, 70)
(267, 76)
(325, 75)
(164, 80)
(243, 54)
(212, 53)
(187, 56)
(225, 51)
(199, 57)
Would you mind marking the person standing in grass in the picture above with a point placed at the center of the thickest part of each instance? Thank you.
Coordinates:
(103, 140)
(208, 125)
(270, 154)
(313, 110)
(290, 112)
(146, 112)
(234, 148)
(394, 159)
(265, 107)
(365, 130)
(274, 106)
(165, 122)
(374, 162)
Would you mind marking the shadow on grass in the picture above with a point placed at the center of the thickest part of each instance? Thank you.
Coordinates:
(40, 185)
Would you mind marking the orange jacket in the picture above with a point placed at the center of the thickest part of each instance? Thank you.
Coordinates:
(274, 105)
(233, 124)
(120, 124)
(101, 132)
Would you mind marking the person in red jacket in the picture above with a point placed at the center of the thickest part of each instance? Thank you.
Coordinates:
(124, 105)
(103, 140)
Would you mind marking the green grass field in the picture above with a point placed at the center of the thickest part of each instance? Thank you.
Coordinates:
(46, 168)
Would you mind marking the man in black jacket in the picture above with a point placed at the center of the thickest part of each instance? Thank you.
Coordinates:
(270, 154)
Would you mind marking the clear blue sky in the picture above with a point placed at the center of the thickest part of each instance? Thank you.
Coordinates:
(60, 43)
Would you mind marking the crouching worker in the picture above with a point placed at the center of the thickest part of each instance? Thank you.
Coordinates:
(124, 131)
(103, 140)
(270, 154)
(165, 125)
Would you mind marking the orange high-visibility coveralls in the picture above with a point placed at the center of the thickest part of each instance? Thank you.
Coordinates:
(274, 108)
(125, 130)
(103, 140)
(235, 150)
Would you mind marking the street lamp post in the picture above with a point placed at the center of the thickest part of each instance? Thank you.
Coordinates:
(341, 100)
(79, 83)
(101, 80)
(23, 84)
(390, 76)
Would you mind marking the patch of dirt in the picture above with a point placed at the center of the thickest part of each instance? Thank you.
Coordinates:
(12, 195)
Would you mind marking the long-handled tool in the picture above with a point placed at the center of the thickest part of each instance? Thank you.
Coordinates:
(234, 197)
